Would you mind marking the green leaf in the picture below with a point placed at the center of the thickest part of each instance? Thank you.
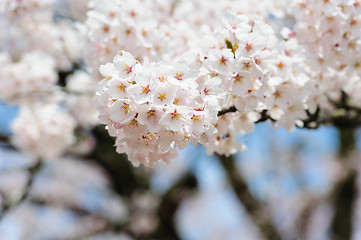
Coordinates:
(229, 44)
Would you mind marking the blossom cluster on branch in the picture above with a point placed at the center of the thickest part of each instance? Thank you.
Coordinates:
(170, 75)
(240, 64)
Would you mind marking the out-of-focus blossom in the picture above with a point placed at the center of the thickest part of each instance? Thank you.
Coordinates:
(80, 100)
(32, 75)
(43, 130)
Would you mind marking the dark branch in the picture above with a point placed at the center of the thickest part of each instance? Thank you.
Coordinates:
(257, 210)
(122, 174)
(343, 194)
(264, 117)
(228, 110)
(169, 205)
(313, 119)
(345, 115)
(304, 218)
(4, 139)
(344, 203)
(345, 191)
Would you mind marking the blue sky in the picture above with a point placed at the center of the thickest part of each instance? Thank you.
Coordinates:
(7, 113)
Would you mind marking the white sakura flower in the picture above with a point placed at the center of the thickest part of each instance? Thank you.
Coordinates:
(274, 81)
(242, 82)
(134, 130)
(185, 97)
(250, 44)
(292, 118)
(276, 112)
(164, 94)
(226, 145)
(236, 23)
(244, 122)
(199, 124)
(118, 88)
(144, 89)
(182, 141)
(211, 91)
(121, 111)
(185, 76)
(149, 116)
(125, 64)
(175, 118)
(220, 60)
(166, 139)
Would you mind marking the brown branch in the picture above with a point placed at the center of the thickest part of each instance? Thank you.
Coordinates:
(303, 219)
(32, 171)
(120, 171)
(4, 139)
(257, 210)
(343, 201)
(347, 116)
(126, 182)
(313, 120)
(345, 192)
(228, 110)
(169, 205)
(264, 114)
(264, 117)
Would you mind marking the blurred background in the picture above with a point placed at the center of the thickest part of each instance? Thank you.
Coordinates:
(295, 184)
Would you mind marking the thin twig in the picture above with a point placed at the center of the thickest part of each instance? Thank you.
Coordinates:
(314, 120)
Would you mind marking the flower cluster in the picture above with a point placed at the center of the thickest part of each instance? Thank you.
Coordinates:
(43, 130)
(153, 108)
(24, 5)
(241, 65)
(27, 26)
(34, 73)
(259, 73)
(122, 25)
(330, 31)
(160, 30)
